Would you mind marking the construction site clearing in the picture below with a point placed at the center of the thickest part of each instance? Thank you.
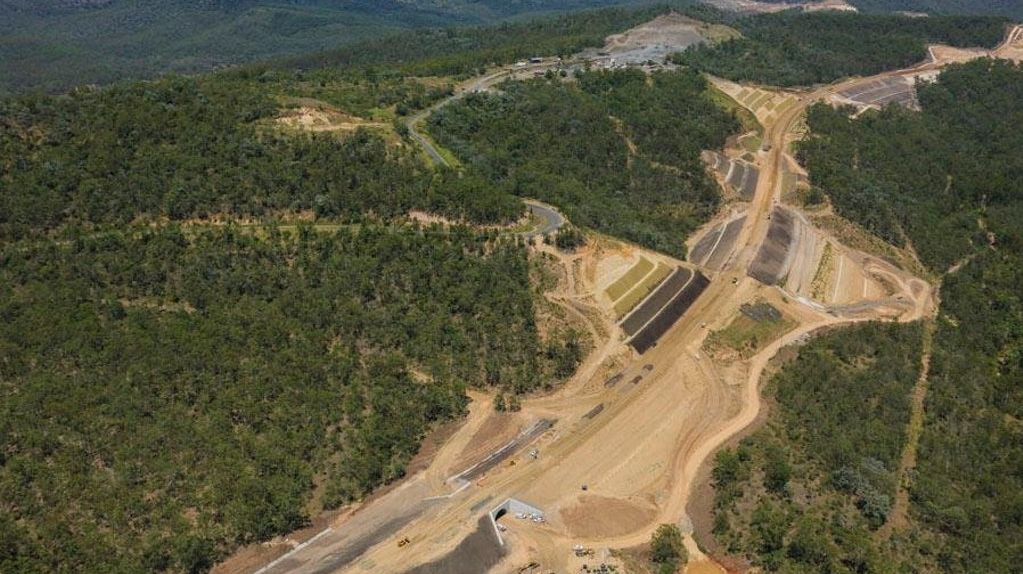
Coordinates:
(614, 451)
(739, 175)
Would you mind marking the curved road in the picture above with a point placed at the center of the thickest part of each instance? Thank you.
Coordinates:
(412, 122)
(650, 437)
(552, 220)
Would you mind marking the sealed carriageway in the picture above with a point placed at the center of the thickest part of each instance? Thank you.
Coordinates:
(652, 318)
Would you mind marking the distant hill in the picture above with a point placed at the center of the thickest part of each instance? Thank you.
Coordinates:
(51, 45)
(1010, 8)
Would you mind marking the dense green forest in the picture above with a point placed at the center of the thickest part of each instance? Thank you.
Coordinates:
(965, 163)
(804, 493)
(567, 142)
(461, 51)
(1010, 8)
(55, 44)
(193, 148)
(171, 388)
(948, 180)
(168, 395)
(794, 49)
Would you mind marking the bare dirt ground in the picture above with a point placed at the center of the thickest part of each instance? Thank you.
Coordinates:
(315, 116)
(655, 429)
(638, 445)
(594, 515)
(754, 7)
(1012, 48)
(657, 39)
(898, 519)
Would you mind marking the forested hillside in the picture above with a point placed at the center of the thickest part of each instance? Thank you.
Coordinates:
(949, 181)
(1010, 8)
(805, 493)
(53, 45)
(169, 395)
(174, 384)
(797, 49)
(454, 51)
(197, 148)
(965, 174)
(617, 152)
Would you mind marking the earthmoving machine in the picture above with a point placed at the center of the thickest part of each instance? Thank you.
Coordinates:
(581, 551)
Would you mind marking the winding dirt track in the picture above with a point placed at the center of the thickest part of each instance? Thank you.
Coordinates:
(639, 455)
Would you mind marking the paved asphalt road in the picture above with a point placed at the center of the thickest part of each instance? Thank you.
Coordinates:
(552, 220)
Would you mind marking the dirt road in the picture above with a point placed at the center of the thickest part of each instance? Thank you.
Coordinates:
(623, 456)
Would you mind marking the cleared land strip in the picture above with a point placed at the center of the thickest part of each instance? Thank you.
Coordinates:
(656, 328)
(641, 290)
(338, 547)
(495, 458)
(647, 309)
(898, 518)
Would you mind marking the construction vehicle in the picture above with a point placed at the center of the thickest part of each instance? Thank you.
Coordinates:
(403, 542)
(582, 552)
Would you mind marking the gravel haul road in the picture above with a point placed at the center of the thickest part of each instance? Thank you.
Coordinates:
(631, 435)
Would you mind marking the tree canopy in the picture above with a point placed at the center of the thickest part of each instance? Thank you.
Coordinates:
(615, 150)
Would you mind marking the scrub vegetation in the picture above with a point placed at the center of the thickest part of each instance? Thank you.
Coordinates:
(949, 181)
(805, 493)
(52, 45)
(173, 384)
(796, 49)
(558, 141)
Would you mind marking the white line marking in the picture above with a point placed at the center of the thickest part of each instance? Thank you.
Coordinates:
(838, 278)
(294, 550)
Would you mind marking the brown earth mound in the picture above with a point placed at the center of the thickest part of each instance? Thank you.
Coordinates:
(597, 516)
